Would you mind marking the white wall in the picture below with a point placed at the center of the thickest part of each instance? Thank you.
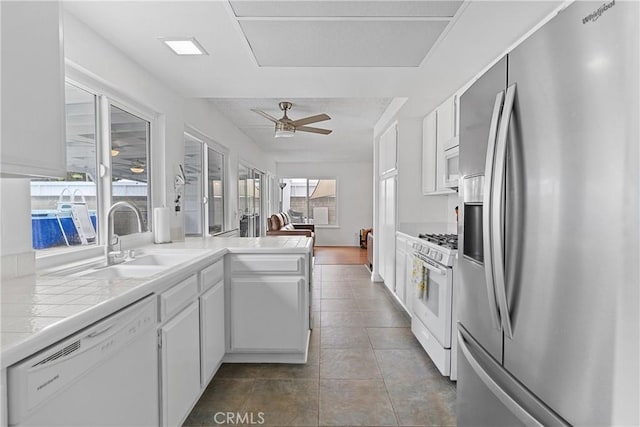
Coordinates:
(355, 197)
(208, 120)
(15, 221)
(92, 61)
(90, 52)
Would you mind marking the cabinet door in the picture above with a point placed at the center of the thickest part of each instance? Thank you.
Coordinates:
(401, 278)
(180, 355)
(212, 342)
(429, 138)
(33, 122)
(446, 120)
(387, 233)
(268, 313)
(447, 143)
(410, 291)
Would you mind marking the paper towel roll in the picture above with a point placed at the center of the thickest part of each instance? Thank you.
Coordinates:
(161, 225)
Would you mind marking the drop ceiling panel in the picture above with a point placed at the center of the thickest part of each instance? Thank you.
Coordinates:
(343, 43)
(345, 8)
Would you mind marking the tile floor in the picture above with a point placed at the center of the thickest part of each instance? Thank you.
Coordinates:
(365, 368)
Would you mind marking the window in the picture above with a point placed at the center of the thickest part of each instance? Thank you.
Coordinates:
(208, 215)
(215, 190)
(310, 200)
(52, 200)
(129, 169)
(250, 201)
(67, 212)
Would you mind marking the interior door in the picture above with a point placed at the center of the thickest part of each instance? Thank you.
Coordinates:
(572, 225)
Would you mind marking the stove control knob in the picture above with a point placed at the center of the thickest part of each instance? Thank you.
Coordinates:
(439, 257)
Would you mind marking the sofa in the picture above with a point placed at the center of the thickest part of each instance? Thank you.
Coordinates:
(280, 225)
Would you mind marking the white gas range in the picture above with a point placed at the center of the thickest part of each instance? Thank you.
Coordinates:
(433, 321)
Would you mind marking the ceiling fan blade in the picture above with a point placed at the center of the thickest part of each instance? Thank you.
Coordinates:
(311, 119)
(266, 116)
(313, 130)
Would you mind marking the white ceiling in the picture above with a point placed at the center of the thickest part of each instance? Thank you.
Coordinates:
(348, 59)
(352, 120)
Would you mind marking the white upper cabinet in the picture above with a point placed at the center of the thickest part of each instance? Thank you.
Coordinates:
(440, 149)
(429, 146)
(33, 121)
(388, 150)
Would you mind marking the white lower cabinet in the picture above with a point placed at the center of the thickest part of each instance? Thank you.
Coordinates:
(401, 271)
(268, 308)
(212, 345)
(267, 314)
(180, 365)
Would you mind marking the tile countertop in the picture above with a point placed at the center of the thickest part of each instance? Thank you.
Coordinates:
(38, 310)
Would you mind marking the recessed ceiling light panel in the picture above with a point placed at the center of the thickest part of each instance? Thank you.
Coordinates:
(184, 46)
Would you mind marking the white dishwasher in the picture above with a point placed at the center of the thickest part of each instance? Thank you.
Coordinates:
(105, 375)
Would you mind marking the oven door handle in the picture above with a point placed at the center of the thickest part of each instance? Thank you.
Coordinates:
(430, 266)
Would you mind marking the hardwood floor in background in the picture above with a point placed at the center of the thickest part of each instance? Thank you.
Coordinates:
(345, 255)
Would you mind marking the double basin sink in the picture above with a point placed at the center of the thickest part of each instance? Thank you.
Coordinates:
(143, 265)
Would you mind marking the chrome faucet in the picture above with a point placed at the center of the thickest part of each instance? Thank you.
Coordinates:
(112, 256)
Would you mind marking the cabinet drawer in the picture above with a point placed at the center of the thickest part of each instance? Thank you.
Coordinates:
(281, 264)
(178, 296)
(212, 275)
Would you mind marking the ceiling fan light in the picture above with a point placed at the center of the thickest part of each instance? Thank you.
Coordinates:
(137, 168)
(284, 131)
(114, 152)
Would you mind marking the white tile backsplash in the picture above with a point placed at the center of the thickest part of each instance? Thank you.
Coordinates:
(18, 265)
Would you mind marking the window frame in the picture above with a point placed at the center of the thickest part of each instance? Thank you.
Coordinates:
(263, 204)
(105, 96)
(312, 178)
(209, 144)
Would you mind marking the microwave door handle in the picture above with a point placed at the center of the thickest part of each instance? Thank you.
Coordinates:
(498, 210)
(487, 214)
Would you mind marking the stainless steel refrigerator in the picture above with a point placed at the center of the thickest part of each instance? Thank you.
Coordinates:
(548, 256)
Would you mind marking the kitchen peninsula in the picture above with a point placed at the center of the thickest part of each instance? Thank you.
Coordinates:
(204, 301)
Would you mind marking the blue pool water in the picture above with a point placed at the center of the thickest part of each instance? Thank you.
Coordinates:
(46, 231)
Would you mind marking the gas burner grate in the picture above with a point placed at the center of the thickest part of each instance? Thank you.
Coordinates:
(445, 240)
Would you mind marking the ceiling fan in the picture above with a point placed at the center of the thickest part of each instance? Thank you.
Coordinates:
(285, 127)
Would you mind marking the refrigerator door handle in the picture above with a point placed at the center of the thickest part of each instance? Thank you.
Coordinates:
(494, 387)
(498, 211)
(488, 212)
